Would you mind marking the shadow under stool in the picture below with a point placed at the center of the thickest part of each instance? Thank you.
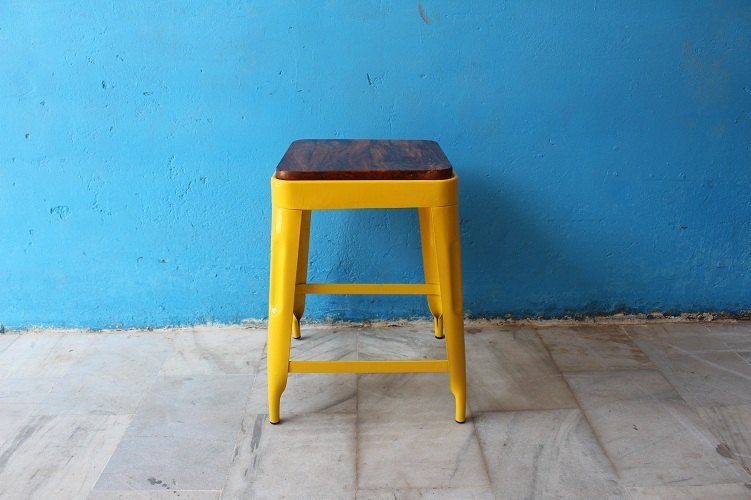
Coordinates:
(360, 174)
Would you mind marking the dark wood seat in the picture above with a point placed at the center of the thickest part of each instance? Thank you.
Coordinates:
(342, 159)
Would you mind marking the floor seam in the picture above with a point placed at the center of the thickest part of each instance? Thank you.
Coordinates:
(581, 410)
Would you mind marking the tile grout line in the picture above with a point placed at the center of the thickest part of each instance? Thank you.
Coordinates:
(241, 430)
(486, 467)
(114, 449)
(132, 416)
(705, 425)
(583, 413)
(16, 337)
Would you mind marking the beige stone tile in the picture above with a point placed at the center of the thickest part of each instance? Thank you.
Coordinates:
(593, 349)
(427, 494)
(111, 376)
(182, 435)
(400, 342)
(6, 339)
(737, 336)
(511, 370)
(35, 355)
(205, 406)
(731, 426)
(311, 456)
(9, 426)
(215, 350)
(734, 491)
(165, 494)
(402, 452)
(167, 463)
(696, 337)
(309, 393)
(545, 454)
(409, 395)
(324, 344)
(20, 397)
(650, 434)
(58, 456)
(702, 377)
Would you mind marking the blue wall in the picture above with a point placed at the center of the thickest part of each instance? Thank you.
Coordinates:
(604, 150)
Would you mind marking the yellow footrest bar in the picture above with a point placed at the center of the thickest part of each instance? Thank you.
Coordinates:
(369, 288)
(375, 366)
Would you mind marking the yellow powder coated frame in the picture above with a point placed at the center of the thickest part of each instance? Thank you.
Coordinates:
(292, 203)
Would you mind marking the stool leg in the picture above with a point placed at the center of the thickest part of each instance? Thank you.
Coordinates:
(430, 265)
(285, 234)
(448, 253)
(302, 272)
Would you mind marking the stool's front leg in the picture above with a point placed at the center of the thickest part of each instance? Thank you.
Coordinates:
(448, 253)
(285, 235)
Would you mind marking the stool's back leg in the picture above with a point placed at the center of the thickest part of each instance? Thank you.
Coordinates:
(430, 265)
(448, 252)
(302, 271)
(285, 235)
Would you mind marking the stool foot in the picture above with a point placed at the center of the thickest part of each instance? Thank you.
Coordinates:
(438, 327)
(274, 412)
(460, 409)
(295, 328)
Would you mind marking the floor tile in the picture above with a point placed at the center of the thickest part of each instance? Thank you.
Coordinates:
(20, 397)
(165, 494)
(324, 344)
(427, 494)
(593, 349)
(309, 393)
(731, 426)
(696, 337)
(407, 394)
(111, 376)
(648, 432)
(545, 454)
(704, 492)
(35, 355)
(736, 336)
(404, 452)
(702, 378)
(182, 435)
(58, 456)
(400, 343)
(143, 463)
(206, 351)
(6, 339)
(206, 406)
(9, 427)
(404, 393)
(511, 370)
(312, 456)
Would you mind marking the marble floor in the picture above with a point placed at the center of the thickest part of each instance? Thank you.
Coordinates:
(656, 411)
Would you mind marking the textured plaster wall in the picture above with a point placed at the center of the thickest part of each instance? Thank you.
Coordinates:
(604, 150)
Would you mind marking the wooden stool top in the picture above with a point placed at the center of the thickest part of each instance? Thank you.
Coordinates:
(342, 159)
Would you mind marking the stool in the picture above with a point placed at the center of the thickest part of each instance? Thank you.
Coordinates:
(358, 174)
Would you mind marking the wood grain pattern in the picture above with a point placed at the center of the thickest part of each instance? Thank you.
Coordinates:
(343, 159)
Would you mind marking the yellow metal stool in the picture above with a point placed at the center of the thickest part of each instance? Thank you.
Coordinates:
(358, 174)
